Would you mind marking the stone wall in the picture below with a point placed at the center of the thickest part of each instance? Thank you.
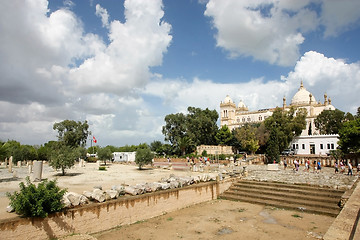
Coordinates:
(103, 216)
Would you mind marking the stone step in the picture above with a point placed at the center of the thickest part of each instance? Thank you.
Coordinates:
(286, 199)
(295, 194)
(291, 186)
(289, 189)
(300, 207)
(309, 198)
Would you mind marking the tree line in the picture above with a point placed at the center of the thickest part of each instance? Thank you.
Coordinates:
(183, 132)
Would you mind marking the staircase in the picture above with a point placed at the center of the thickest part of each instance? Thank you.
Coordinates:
(301, 197)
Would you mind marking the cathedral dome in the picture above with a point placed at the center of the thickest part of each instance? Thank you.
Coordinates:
(242, 106)
(302, 97)
(228, 99)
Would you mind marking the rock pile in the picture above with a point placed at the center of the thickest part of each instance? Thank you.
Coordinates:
(71, 199)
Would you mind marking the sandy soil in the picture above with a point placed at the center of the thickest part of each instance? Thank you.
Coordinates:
(223, 219)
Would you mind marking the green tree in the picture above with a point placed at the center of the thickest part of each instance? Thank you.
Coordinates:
(104, 154)
(283, 127)
(63, 157)
(72, 133)
(143, 156)
(262, 135)
(157, 146)
(199, 125)
(246, 135)
(185, 145)
(224, 136)
(330, 121)
(349, 136)
(273, 150)
(93, 149)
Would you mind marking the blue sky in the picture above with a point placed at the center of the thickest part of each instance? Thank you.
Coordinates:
(125, 65)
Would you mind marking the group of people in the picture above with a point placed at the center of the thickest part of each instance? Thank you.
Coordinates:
(342, 164)
(317, 166)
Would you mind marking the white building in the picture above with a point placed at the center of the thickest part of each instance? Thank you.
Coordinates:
(315, 144)
(236, 116)
(124, 156)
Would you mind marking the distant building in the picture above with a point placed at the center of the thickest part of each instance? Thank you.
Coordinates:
(124, 156)
(236, 116)
(214, 150)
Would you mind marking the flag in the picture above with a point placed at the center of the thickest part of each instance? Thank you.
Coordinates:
(94, 139)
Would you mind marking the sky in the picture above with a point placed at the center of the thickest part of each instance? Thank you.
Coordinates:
(124, 65)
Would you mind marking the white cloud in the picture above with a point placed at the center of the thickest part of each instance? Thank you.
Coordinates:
(340, 80)
(53, 70)
(271, 30)
(103, 14)
(339, 16)
(135, 45)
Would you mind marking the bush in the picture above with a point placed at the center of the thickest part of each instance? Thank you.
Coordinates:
(102, 168)
(38, 201)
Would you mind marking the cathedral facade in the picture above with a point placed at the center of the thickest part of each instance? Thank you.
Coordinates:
(309, 142)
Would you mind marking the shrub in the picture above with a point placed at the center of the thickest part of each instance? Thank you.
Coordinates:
(102, 168)
(38, 201)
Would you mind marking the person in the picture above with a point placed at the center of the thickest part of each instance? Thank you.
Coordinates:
(318, 166)
(315, 166)
(350, 170)
(342, 166)
(336, 166)
(296, 165)
(358, 168)
(285, 163)
(306, 166)
(308, 162)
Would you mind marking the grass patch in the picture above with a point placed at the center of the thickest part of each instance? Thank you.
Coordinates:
(141, 221)
(102, 168)
(170, 219)
(296, 216)
(241, 210)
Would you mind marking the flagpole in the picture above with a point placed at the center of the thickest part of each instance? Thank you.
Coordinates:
(93, 145)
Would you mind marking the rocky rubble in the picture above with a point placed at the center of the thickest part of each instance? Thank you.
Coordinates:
(72, 199)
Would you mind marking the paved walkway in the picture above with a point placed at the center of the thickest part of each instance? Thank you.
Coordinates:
(325, 178)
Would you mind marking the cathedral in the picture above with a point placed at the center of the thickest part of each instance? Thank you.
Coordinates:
(309, 142)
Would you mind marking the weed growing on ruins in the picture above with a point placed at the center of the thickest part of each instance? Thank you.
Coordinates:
(37, 201)
(241, 210)
(170, 219)
(296, 216)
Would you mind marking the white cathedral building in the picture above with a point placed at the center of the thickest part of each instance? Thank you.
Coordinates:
(309, 142)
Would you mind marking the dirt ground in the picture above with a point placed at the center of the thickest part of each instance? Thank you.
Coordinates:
(223, 219)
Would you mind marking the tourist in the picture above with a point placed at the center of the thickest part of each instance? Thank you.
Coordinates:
(308, 162)
(350, 170)
(358, 168)
(342, 166)
(285, 163)
(336, 166)
(315, 168)
(318, 166)
(306, 166)
(296, 165)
